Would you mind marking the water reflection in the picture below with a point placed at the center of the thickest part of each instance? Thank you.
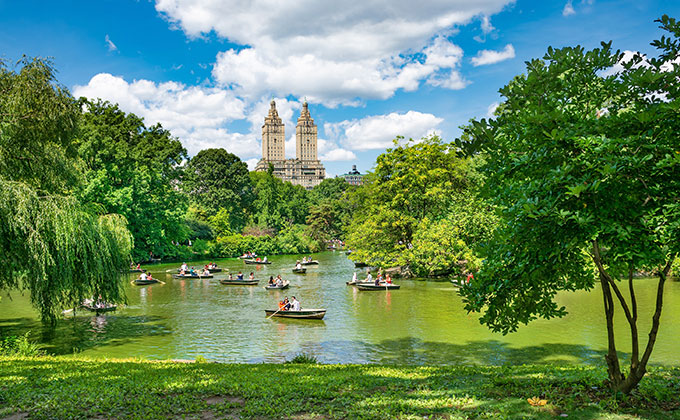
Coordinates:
(423, 322)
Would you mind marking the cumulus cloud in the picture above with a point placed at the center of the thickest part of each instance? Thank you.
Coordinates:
(485, 57)
(197, 115)
(491, 110)
(112, 47)
(568, 9)
(378, 131)
(334, 53)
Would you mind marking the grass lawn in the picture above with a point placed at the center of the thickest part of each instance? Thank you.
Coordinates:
(64, 388)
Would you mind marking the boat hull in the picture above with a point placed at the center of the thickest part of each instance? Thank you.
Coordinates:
(139, 282)
(302, 314)
(367, 287)
(285, 286)
(240, 282)
(99, 310)
(310, 263)
(215, 270)
(257, 262)
(179, 276)
(299, 270)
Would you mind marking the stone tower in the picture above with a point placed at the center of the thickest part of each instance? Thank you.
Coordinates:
(274, 136)
(305, 136)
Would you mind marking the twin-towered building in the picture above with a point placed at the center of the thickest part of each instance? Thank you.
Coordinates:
(305, 169)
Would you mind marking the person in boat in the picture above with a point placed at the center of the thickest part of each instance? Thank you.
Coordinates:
(139, 266)
(271, 280)
(252, 276)
(354, 277)
(378, 279)
(295, 304)
(388, 279)
(184, 267)
(286, 304)
(282, 303)
(149, 277)
(369, 277)
(239, 276)
(231, 276)
(265, 259)
(192, 271)
(298, 266)
(206, 272)
(132, 266)
(143, 276)
(279, 281)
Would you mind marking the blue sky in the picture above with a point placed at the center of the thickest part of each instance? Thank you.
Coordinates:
(369, 69)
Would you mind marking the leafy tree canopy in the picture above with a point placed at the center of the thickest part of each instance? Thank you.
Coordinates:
(133, 170)
(584, 166)
(50, 245)
(216, 179)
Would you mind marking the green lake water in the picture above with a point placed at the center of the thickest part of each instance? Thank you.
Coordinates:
(422, 323)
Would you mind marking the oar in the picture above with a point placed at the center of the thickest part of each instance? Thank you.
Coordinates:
(274, 313)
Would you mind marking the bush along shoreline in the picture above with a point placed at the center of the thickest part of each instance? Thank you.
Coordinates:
(76, 387)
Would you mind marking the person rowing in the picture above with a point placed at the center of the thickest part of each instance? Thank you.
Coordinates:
(239, 276)
(369, 277)
(184, 267)
(143, 276)
(279, 281)
(298, 266)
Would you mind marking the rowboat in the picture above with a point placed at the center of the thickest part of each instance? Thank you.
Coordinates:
(301, 314)
(215, 270)
(310, 263)
(140, 282)
(247, 257)
(367, 287)
(274, 287)
(360, 264)
(136, 270)
(240, 282)
(360, 283)
(189, 276)
(257, 262)
(299, 270)
(92, 308)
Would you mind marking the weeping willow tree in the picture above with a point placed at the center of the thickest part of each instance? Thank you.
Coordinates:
(50, 244)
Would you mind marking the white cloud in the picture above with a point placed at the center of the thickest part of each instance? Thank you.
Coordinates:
(486, 26)
(485, 57)
(338, 155)
(252, 163)
(378, 131)
(334, 53)
(491, 109)
(110, 44)
(196, 115)
(568, 9)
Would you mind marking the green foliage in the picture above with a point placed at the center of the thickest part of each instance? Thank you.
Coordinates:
(216, 179)
(329, 189)
(304, 358)
(585, 170)
(50, 244)
(278, 204)
(419, 195)
(37, 122)
(19, 346)
(74, 387)
(133, 170)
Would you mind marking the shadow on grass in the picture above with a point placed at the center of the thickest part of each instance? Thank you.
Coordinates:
(83, 388)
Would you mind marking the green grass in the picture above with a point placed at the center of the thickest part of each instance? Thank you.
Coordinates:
(63, 388)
